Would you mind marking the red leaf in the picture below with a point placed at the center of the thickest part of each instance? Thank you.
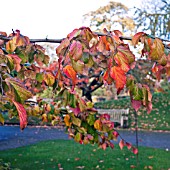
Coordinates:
(136, 37)
(22, 114)
(119, 76)
(107, 78)
(70, 73)
(121, 144)
(76, 110)
(116, 134)
(135, 151)
(136, 104)
(129, 146)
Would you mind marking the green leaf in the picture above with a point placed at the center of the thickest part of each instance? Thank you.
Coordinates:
(76, 121)
(91, 119)
(20, 90)
(39, 77)
(137, 93)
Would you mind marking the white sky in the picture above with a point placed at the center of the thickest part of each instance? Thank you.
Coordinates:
(52, 18)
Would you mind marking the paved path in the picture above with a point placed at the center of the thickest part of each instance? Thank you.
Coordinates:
(12, 137)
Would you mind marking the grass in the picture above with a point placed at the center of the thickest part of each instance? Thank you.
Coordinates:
(69, 155)
(158, 119)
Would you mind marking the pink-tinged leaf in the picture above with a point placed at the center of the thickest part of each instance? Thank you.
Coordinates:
(135, 150)
(129, 146)
(70, 73)
(76, 110)
(136, 37)
(149, 107)
(64, 44)
(16, 60)
(104, 146)
(73, 34)
(90, 137)
(116, 134)
(119, 76)
(136, 104)
(76, 50)
(22, 114)
(105, 116)
(121, 144)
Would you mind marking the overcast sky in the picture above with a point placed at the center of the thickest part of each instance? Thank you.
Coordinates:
(52, 18)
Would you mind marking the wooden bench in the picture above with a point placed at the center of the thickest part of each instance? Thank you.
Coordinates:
(117, 115)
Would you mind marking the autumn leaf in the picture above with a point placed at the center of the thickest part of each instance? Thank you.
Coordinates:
(129, 146)
(135, 150)
(76, 50)
(136, 37)
(22, 114)
(122, 61)
(121, 144)
(98, 124)
(49, 78)
(119, 76)
(16, 60)
(157, 50)
(70, 73)
(67, 120)
(107, 78)
(64, 44)
(136, 104)
(1, 118)
(17, 40)
(20, 91)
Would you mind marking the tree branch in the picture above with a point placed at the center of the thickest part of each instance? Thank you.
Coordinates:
(2, 37)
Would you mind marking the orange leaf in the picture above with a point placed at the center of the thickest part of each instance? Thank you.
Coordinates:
(67, 120)
(49, 78)
(70, 73)
(97, 124)
(22, 114)
(136, 37)
(119, 76)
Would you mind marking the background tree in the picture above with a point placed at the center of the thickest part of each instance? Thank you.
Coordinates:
(154, 16)
(112, 16)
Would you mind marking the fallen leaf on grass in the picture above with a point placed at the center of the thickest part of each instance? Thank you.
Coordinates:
(150, 157)
(80, 167)
(132, 166)
(76, 159)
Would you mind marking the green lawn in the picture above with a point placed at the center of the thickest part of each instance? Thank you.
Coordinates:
(70, 156)
(158, 119)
